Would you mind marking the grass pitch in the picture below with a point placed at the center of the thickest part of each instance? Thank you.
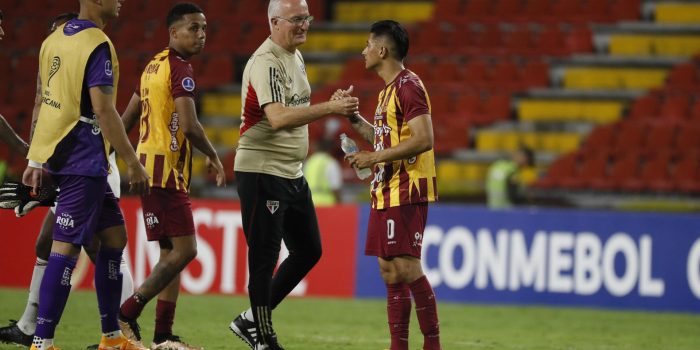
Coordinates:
(310, 324)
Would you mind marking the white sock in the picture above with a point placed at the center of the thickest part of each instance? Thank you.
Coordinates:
(27, 324)
(42, 344)
(248, 315)
(127, 282)
(113, 335)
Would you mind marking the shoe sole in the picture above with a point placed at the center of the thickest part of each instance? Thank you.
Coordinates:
(238, 333)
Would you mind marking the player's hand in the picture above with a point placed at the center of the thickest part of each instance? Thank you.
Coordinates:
(340, 93)
(346, 106)
(216, 165)
(32, 178)
(14, 195)
(138, 179)
(361, 159)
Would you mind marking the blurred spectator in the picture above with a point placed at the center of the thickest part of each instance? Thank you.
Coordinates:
(323, 174)
(503, 185)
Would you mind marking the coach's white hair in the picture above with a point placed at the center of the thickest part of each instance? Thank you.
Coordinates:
(273, 10)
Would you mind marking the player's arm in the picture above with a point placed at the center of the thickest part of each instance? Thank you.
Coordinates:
(283, 117)
(194, 132)
(421, 140)
(132, 113)
(10, 137)
(113, 130)
(362, 126)
(359, 123)
(36, 108)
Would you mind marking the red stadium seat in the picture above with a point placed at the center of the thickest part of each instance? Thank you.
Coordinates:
(686, 174)
(629, 138)
(624, 173)
(675, 106)
(655, 173)
(660, 136)
(600, 139)
(645, 107)
(684, 76)
(559, 172)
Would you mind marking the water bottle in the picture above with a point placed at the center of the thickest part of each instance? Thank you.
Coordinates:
(349, 147)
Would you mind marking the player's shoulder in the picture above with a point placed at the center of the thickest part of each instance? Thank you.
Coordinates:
(408, 79)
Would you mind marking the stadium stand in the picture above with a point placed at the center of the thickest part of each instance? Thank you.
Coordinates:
(604, 90)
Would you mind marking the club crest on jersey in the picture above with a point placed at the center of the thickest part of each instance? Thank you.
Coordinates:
(272, 206)
(188, 84)
(108, 68)
(55, 66)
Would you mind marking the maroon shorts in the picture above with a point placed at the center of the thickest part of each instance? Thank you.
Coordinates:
(396, 231)
(167, 213)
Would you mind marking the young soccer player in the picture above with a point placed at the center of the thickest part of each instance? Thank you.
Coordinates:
(169, 129)
(404, 182)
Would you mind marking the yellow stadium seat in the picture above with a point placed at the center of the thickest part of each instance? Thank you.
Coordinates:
(614, 78)
(654, 45)
(681, 13)
(323, 73)
(598, 111)
(229, 136)
(214, 104)
(198, 165)
(212, 134)
(369, 11)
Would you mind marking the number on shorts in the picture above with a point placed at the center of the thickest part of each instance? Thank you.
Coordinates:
(390, 229)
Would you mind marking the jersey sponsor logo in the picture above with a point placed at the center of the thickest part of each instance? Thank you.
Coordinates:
(55, 66)
(174, 126)
(296, 100)
(65, 221)
(272, 206)
(108, 68)
(151, 220)
(188, 84)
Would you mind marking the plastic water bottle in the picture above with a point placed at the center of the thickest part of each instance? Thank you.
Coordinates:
(349, 147)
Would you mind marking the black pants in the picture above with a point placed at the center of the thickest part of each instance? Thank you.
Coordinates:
(276, 208)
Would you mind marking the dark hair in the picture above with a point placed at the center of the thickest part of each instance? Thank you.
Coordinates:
(0, 15)
(528, 154)
(394, 31)
(180, 10)
(60, 19)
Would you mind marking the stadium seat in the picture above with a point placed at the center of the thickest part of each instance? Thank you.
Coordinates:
(660, 136)
(629, 138)
(655, 173)
(560, 171)
(686, 174)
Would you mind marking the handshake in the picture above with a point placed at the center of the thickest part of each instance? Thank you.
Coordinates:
(14, 195)
(344, 103)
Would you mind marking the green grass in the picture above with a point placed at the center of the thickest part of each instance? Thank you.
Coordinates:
(309, 324)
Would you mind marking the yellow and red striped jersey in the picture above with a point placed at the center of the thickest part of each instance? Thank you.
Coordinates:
(163, 148)
(405, 181)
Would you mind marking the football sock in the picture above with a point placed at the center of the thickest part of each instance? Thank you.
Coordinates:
(132, 307)
(165, 314)
(108, 284)
(127, 282)
(53, 293)
(27, 323)
(398, 308)
(426, 311)
(248, 315)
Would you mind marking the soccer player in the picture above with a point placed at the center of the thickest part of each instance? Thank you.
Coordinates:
(21, 332)
(77, 122)
(169, 128)
(275, 199)
(404, 182)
